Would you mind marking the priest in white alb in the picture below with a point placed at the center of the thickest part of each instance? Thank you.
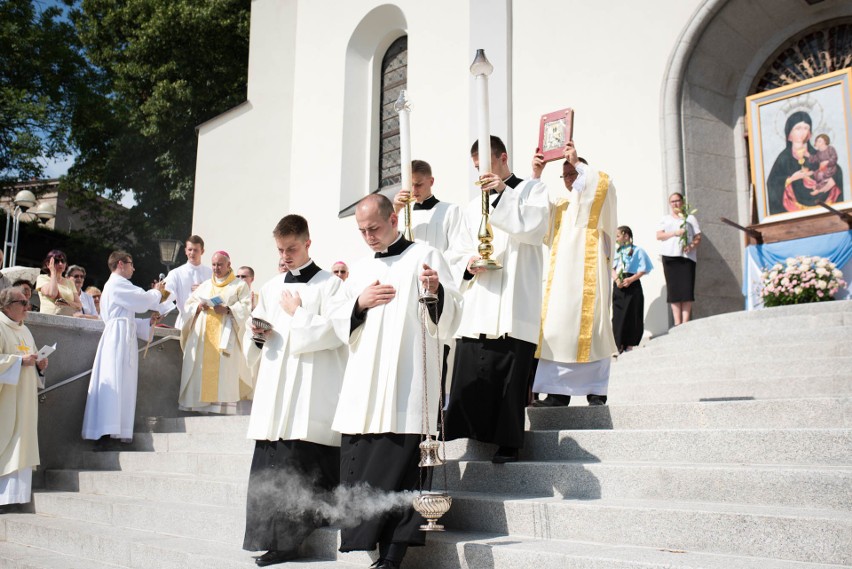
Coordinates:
(19, 382)
(380, 414)
(576, 343)
(299, 371)
(212, 341)
(111, 401)
(182, 281)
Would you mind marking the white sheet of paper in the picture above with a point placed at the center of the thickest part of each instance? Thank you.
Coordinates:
(45, 351)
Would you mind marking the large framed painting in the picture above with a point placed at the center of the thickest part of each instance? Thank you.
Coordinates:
(800, 139)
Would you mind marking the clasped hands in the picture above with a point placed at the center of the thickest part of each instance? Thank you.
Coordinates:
(32, 360)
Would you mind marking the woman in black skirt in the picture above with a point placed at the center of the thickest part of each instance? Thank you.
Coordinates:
(680, 236)
(628, 300)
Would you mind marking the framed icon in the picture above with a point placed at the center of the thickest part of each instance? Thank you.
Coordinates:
(555, 130)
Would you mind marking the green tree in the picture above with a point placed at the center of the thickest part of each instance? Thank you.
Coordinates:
(161, 67)
(41, 71)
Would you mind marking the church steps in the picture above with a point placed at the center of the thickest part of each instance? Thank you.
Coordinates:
(129, 548)
(652, 391)
(204, 424)
(823, 487)
(724, 446)
(795, 534)
(209, 465)
(162, 487)
(14, 556)
(826, 412)
(733, 367)
(193, 442)
(200, 521)
(702, 350)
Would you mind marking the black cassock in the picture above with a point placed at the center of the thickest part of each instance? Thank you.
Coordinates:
(628, 306)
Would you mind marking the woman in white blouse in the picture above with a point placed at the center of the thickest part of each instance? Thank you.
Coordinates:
(679, 259)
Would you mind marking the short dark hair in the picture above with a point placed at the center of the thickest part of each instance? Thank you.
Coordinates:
(247, 268)
(383, 204)
(583, 160)
(292, 225)
(20, 282)
(196, 240)
(497, 147)
(421, 167)
(52, 254)
(626, 230)
(824, 137)
(116, 256)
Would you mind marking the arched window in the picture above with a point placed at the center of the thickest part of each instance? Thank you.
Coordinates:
(394, 79)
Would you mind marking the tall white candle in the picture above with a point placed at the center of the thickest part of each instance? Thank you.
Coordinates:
(402, 108)
(484, 122)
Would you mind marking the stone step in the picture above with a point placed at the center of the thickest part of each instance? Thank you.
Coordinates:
(729, 389)
(15, 556)
(233, 442)
(722, 446)
(159, 487)
(800, 317)
(828, 488)
(781, 533)
(825, 412)
(203, 424)
(682, 371)
(789, 485)
(136, 549)
(225, 524)
(701, 350)
(208, 465)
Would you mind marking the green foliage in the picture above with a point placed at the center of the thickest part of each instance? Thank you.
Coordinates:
(41, 71)
(159, 68)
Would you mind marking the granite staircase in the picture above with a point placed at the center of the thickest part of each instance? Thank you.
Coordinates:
(727, 444)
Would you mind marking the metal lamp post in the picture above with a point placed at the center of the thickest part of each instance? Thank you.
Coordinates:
(169, 249)
(23, 201)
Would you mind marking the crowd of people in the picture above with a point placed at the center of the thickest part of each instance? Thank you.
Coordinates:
(343, 372)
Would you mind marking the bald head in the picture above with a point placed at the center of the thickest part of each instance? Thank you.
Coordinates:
(376, 221)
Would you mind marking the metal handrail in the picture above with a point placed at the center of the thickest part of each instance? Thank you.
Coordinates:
(87, 372)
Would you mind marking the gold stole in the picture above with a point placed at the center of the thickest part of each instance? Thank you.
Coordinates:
(212, 337)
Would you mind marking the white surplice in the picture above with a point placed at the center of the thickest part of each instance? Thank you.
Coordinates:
(507, 301)
(441, 226)
(576, 341)
(179, 283)
(223, 370)
(383, 385)
(300, 367)
(18, 413)
(111, 402)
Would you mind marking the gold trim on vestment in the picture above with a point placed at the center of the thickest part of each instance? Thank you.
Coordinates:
(590, 272)
(560, 208)
(212, 337)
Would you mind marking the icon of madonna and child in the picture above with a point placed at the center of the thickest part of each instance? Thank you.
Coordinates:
(806, 172)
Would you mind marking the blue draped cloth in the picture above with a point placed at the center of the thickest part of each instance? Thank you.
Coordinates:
(836, 247)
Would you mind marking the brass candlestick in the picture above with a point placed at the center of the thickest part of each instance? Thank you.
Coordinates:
(486, 236)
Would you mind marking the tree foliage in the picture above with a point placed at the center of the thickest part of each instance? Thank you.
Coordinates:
(41, 73)
(159, 68)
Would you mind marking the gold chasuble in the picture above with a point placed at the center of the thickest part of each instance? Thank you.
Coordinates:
(212, 343)
(212, 339)
(576, 321)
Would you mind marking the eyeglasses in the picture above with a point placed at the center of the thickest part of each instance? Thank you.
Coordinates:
(78, 276)
(340, 272)
(22, 302)
(243, 276)
(96, 297)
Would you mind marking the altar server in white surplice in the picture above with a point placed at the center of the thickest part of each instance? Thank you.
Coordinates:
(19, 380)
(380, 414)
(499, 327)
(576, 344)
(436, 223)
(111, 403)
(212, 341)
(299, 372)
(182, 281)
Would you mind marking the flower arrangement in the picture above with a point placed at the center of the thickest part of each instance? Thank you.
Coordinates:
(685, 211)
(800, 280)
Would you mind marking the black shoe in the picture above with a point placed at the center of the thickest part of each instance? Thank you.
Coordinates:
(596, 399)
(386, 564)
(272, 557)
(553, 401)
(505, 454)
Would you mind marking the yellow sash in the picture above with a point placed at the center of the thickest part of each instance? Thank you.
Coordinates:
(212, 337)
